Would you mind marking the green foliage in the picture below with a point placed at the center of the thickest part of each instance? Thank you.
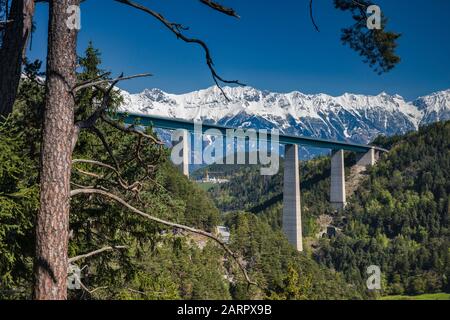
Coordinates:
(18, 205)
(158, 263)
(19, 193)
(430, 296)
(280, 270)
(247, 190)
(199, 211)
(376, 46)
(399, 217)
(294, 286)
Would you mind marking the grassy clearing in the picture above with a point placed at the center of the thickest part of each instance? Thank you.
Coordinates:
(206, 185)
(427, 296)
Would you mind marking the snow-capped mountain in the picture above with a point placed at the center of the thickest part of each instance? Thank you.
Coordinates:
(350, 117)
(434, 107)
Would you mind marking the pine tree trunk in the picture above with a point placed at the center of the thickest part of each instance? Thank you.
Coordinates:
(53, 219)
(13, 50)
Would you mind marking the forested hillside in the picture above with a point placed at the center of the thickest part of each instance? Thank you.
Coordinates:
(151, 261)
(397, 218)
(121, 253)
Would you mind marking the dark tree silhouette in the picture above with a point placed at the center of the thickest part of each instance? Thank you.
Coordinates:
(16, 28)
(377, 46)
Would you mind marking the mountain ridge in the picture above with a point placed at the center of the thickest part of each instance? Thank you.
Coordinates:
(348, 117)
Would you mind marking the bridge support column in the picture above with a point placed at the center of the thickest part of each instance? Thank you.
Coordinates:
(369, 158)
(180, 140)
(186, 153)
(337, 190)
(292, 219)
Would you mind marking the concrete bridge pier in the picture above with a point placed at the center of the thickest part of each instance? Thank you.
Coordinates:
(292, 219)
(180, 140)
(186, 153)
(368, 159)
(337, 187)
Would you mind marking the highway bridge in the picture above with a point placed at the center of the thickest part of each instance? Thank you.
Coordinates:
(292, 220)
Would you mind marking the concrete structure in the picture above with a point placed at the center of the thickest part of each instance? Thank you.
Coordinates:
(368, 159)
(223, 233)
(292, 218)
(184, 141)
(186, 153)
(174, 124)
(292, 221)
(337, 187)
(208, 179)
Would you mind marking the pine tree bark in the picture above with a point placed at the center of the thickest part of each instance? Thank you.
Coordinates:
(13, 51)
(53, 218)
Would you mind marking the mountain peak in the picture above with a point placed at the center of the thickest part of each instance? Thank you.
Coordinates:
(353, 117)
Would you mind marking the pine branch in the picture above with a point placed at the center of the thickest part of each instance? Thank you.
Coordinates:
(167, 223)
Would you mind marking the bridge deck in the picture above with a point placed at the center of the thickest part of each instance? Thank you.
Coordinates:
(174, 124)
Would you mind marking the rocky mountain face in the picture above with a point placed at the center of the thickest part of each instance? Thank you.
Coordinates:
(350, 117)
(434, 107)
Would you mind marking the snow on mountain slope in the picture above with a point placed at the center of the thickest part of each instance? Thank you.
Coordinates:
(350, 117)
(435, 107)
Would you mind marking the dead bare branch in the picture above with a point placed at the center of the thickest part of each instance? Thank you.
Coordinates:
(81, 84)
(312, 15)
(175, 29)
(134, 187)
(130, 129)
(86, 288)
(96, 81)
(90, 174)
(95, 252)
(98, 288)
(218, 7)
(106, 145)
(98, 163)
(136, 291)
(81, 186)
(90, 122)
(167, 223)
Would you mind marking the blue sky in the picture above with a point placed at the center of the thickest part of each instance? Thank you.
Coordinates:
(273, 46)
